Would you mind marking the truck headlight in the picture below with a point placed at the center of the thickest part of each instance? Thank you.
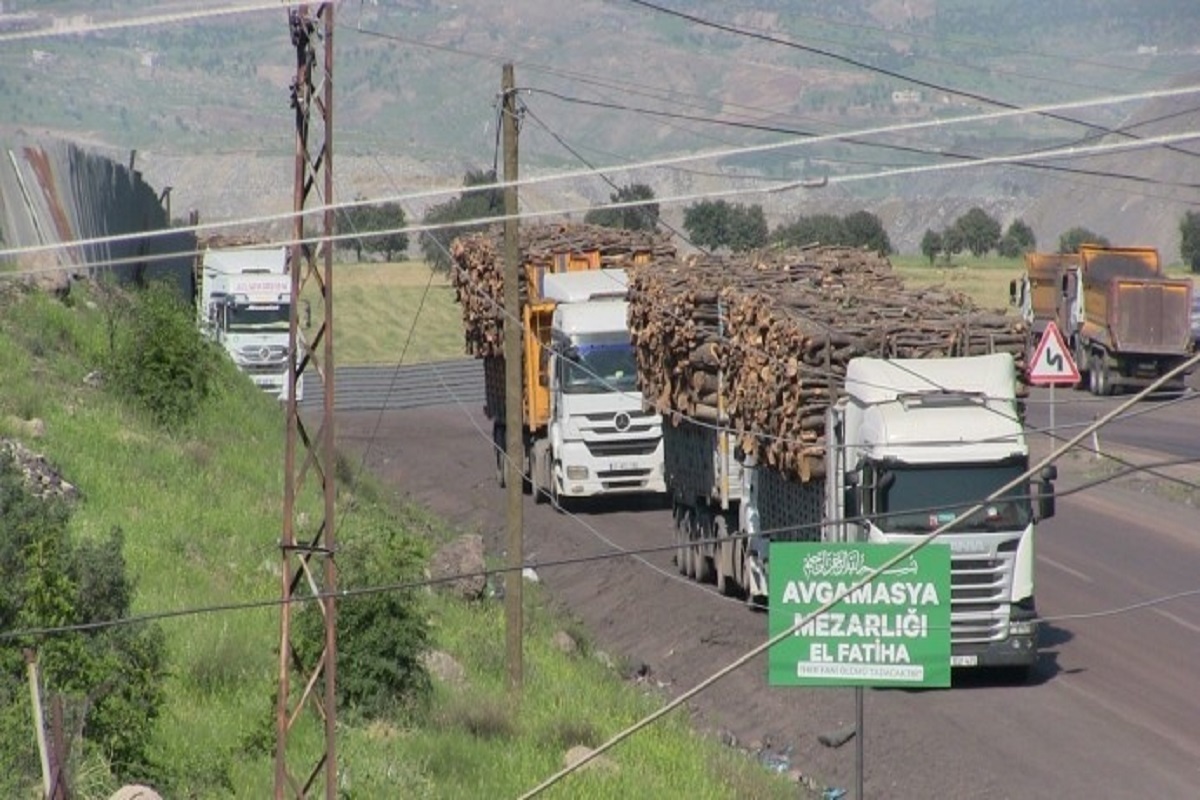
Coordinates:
(577, 473)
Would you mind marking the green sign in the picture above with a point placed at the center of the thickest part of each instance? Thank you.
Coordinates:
(893, 631)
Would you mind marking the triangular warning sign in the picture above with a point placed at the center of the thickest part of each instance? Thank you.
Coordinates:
(1052, 363)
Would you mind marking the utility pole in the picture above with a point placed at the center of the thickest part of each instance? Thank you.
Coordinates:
(309, 570)
(514, 445)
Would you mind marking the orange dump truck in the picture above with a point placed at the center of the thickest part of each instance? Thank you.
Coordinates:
(1127, 322)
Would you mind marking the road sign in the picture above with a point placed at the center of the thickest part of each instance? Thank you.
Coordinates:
(1052, 364)
(893, 631)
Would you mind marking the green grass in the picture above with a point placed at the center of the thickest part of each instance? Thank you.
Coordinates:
(985, 280)
(392, 313)
(201, 511)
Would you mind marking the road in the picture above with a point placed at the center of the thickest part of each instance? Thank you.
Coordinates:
(1112, 711)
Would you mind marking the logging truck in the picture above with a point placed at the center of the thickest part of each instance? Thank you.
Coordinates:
(782, 426)
(583, 425)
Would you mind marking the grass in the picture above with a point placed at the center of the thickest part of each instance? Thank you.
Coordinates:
(985, 280)
(201, 513)
(392, 313)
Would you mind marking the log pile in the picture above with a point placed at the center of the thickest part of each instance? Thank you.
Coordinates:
(478, 270)
(760, 344)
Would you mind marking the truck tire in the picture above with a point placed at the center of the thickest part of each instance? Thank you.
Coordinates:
(681, 552)
(1101, 377)
(498, 445)
(702, 531)
(1081, 363)
(726, 552)
(539, 471)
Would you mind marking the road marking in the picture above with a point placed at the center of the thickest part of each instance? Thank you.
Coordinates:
(1065, 568)
(1177, 620)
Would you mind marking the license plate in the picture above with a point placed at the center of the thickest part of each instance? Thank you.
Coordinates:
(622, 466)
(964, 661)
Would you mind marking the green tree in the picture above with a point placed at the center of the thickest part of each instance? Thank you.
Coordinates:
(953, 242)
(633, 218)
(1189, 240)
(366, 222)
(931, 245)
(980, 231)
(749, 228)
(864, 229)
(1018, 239)
(1072, 239)
(480, 199)
(111, 679)
(826, 229)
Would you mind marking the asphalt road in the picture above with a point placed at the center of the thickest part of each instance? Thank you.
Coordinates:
(1113, 709)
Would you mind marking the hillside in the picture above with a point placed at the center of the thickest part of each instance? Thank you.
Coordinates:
(205, 103)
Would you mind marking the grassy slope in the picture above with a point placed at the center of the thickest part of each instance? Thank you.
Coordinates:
(201, 514)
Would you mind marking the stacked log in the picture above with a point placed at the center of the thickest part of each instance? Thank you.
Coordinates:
(478, 269)
(760, 344)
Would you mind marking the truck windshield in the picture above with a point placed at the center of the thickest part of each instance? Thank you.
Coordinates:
(257, 318)
(921, 498)
(599, 368)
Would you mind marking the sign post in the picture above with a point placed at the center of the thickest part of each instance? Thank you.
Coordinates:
(1052, 364)
(892, 631)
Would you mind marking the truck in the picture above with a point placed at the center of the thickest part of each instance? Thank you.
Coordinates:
(911, 445)
(585, 432)
(1128, 323)
(243, 303)
(1040, 293)
(889, 447)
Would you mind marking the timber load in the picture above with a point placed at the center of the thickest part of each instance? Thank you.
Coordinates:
(760, 344)
(478, 269)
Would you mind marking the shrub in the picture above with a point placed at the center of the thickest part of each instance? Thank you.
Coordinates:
(159, 359)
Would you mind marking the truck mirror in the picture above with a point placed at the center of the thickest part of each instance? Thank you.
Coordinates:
(1012, 293)
(1049, 473)
(1045, 500)
(886, 479)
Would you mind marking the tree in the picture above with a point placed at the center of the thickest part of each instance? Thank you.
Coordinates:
(864, 229)
(953, 242)
(1072, 239)
(1189, 240)
(1018, 239)
(826, 229)
(931, 245)
(634, 218)
(980, 232)
(472, 204)
(365, 222)
(714, 224)
(111, 678)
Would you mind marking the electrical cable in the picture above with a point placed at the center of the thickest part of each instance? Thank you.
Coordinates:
(1069, 152)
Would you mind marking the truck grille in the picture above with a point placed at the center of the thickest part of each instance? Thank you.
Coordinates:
(609, 448)
(262, 354)
(623, 423)
(980, 590)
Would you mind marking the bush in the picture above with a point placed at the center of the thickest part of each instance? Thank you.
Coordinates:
(158, 358)
(381, 636)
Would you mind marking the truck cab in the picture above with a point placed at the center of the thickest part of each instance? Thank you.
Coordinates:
(600, 440)
(914, 443)
(244, 305)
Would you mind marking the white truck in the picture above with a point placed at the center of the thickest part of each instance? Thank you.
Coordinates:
(244, 304)
(585, 431)
(913, 443)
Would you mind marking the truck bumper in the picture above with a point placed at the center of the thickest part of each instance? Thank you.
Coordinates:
(580, 475)
(1019, 649)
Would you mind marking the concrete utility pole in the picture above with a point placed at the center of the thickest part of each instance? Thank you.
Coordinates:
(514, 445)
(308, 563)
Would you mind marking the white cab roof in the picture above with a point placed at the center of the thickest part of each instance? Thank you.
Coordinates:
(908, 410)
(578, 287)
(243, 260)
(583, 320)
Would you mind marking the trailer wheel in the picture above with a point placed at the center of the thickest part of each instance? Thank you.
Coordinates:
(726, 552)
(1104, 382)
(681, 552)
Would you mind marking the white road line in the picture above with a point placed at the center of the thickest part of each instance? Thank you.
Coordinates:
(1177, 620)
(1065, 568)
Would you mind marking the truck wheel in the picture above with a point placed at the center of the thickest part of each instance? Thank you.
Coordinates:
(538, 472)
(1105, 381)
(681, 552)
(1093, 378)
(723, 560)
(1081, 362)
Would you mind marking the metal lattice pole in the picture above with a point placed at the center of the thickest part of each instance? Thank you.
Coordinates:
(308, 557)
